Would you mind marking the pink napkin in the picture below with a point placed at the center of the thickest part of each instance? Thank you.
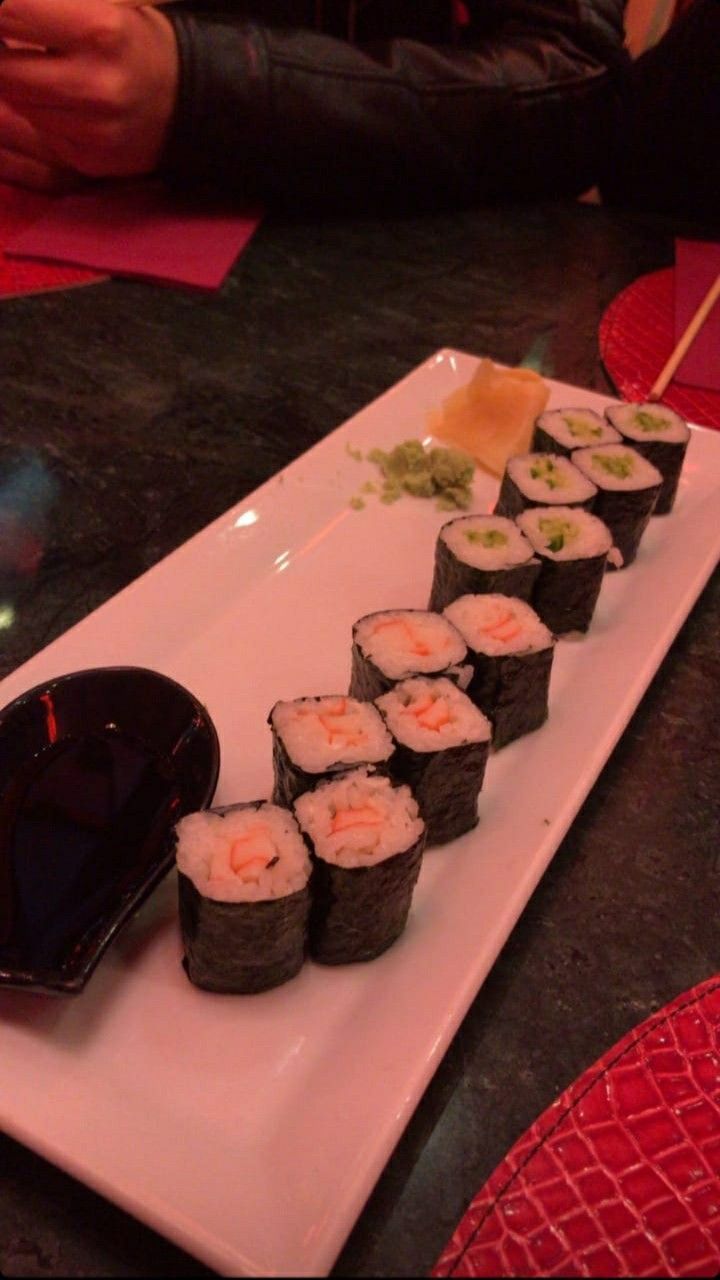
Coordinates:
(18, 210)
(697, 263)
(141, 229)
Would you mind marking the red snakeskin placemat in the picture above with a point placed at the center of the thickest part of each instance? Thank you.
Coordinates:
(18, 210)
(636, 336)
(621, 1175)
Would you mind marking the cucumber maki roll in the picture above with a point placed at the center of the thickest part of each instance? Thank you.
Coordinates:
(628, 488)
(367, 840)
(396, 643)
(540, 480)
(441, 747)
(512, 652)
(316, 738)
(482, 553)
(562, 430)
(243, 883)
(661, 436)
(573, 546)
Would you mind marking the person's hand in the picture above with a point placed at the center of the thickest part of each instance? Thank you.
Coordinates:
(94, 95)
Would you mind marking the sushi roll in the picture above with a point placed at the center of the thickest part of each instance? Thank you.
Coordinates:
(540, 480)
(562, 430)
(243, 884)
(367, 840)
(316, 738)
(628, 488)
(573, 546)
(482, 553)
(396, 643)
(441, 748)
(661, 436)
(512, 653)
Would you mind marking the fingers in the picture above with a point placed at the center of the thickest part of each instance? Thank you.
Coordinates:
(58, 24)
(98, 74)
(25, 171)
(26, 158)
(18, 134)
(40, 79)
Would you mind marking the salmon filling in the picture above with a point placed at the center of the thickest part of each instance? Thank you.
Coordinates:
(359, 819)
(318, 733)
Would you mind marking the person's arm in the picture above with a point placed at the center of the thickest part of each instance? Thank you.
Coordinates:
(303, 119)
(520, 108)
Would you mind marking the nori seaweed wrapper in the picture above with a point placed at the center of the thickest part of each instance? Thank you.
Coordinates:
(367, 681)
(446, 785)
(512, 690)
(567, 591)
(543, 442)
(358, 912)
(242, 947)
(512, 501)
(626, 513)
(290, 780)
(453, 578)
(668, 456)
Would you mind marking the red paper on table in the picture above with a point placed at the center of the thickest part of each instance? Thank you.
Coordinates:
(636, 338)
(697, 265)
(140, 229)
(18, 210)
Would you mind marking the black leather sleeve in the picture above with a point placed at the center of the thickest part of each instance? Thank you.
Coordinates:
(520, 106)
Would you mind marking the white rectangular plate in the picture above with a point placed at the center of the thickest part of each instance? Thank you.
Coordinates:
(251, 1130)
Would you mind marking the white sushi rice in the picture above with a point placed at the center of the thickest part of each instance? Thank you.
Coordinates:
(404, 641)
(431, 715)
(616, 466)
(496, 624)
(319, 733)
(549, 477)
(573, 428)
(486, 541)
(648, 422)
(248, 855)
(565, 533)
(359, 819)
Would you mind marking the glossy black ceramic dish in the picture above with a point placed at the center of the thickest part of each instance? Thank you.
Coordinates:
(96, 767)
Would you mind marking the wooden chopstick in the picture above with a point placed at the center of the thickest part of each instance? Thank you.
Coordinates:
(684, 342)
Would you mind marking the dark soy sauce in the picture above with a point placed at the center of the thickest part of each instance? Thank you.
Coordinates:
(79, 826)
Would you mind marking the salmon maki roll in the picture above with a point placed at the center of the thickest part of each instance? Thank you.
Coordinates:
(395, 644)
(314, 739)
(512, 653)
(243, 883)
(367, 838)
(441, 748)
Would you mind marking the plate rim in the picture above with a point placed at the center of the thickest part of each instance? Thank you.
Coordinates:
(198, 1238)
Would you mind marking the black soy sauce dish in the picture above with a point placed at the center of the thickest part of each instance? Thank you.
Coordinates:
(96, 767)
